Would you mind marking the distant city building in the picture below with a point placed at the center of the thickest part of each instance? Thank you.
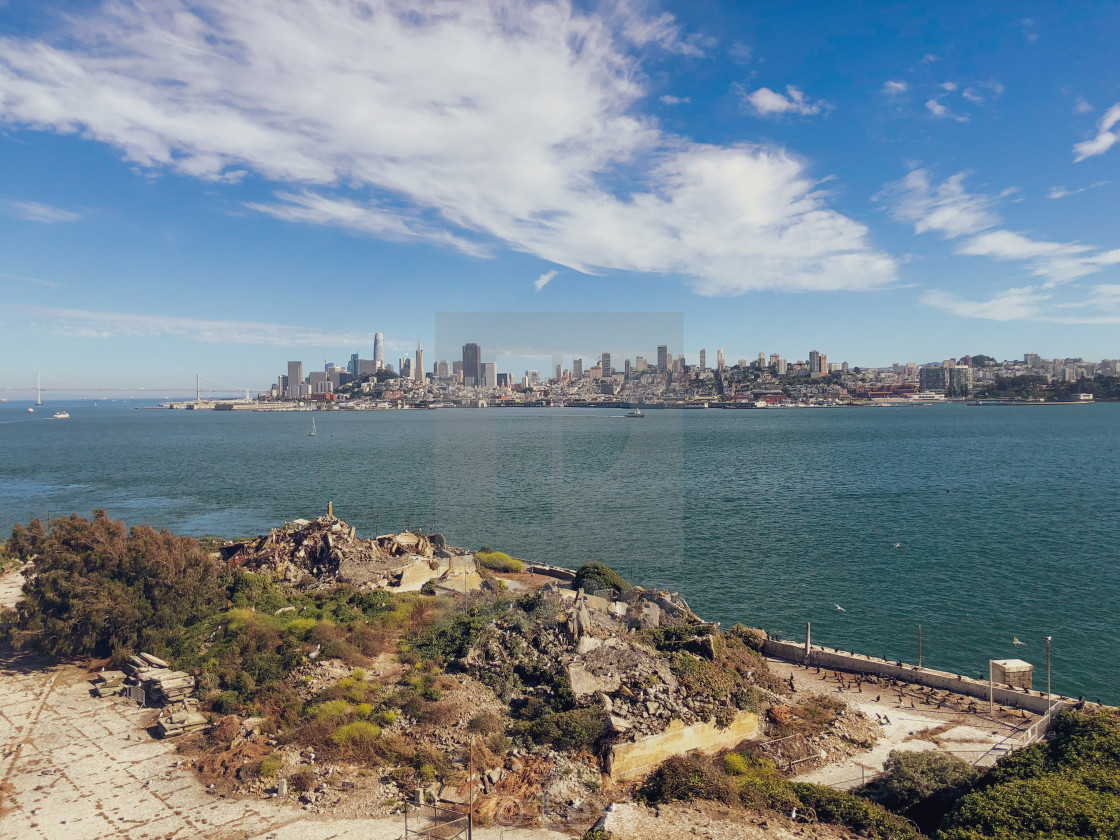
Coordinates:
(533, 377)
(932, 378)
(295, 379)
(662, 359)
(489, 375)
(1032, 360)
(605, 364)
(418, 368)
(472, 364)
(960, 381)
(379, 350)
(406, 368)
(640, 364)
(319, 383)
(505, 380)
(559, 373)
(781, 368)
(703, 360)
(577, 370)
(774, 357)
(719, 359)
(443, 370)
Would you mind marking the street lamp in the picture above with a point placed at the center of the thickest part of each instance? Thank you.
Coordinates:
(1048, 698)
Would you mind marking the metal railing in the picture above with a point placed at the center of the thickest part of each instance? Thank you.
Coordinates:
(434, 822)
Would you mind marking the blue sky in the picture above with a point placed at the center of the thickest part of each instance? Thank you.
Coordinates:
(216, 188)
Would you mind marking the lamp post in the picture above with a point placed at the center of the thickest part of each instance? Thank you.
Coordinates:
(1048, 698)
(991, 691)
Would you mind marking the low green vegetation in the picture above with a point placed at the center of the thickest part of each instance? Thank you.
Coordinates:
(593, 577)
(497, 561)
(754, 783)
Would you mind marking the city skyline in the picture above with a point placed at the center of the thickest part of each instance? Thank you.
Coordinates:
(889, 184)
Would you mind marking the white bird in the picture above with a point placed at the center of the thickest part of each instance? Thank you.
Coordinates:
(840, 608)
(898, 545)
(1015, 641)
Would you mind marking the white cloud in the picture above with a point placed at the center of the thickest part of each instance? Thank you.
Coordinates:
(81, 323)
(766, 102)
(972, 96)
(473, 125)
(952, 211)
(1080, 106)
(34, 281)
(1105, 138)
(34, 211)
(894, 88)
(949, 86)
(946, 208)
(668, 99)
(929, 58)
(941, 112)
(1062, 192)
(741, 53)
(544, 279)
(1032, 303)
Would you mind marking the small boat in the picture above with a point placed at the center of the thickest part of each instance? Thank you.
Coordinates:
(31, 410)
(635, 412)
(60, 415)
(312, 433)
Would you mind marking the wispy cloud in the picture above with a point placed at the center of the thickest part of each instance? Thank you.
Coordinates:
(544, 279)
(946, 208)
(769, 103)
(668, 99)
(893, 87)
(34, 211)
(472, 125)
(943, 112)
(1032, 303)
(34, 281)
(1062, 192)
(82, 323)
(1081, 106)
(1105, 139)
(951, 210)
(741, 53)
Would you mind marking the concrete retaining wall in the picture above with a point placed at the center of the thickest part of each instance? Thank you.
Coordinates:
(638, 758)
(1032, 701)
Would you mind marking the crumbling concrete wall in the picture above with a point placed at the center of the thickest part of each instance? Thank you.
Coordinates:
(638, 758)
(1036, 702)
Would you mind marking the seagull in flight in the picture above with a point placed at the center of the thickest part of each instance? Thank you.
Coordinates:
(898, 545)
(1015, 641)
(840, 608)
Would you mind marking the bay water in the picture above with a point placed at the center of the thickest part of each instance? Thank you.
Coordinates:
(982, 525)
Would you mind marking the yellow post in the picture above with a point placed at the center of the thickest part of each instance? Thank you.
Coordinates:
(330, 508)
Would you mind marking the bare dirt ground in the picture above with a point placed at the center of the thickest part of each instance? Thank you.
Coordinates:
(921, 720)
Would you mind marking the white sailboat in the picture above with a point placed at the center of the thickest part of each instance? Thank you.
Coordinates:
(38, 390)
(312, 432)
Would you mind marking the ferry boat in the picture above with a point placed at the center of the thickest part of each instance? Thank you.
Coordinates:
(60, 415)
(635, 412)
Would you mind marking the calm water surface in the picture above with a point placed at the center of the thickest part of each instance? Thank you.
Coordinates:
(1005, 519)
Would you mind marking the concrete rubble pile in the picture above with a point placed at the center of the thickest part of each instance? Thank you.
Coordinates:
(327, 551)
(161, 684)
(180, 718)
(594, 643)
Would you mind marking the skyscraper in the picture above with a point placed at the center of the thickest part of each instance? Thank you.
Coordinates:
(577, 369)
(295, 378)
(489, 375)
(606, 365)
(379, 350)
(703, 360)
(472, 364)
(662, 358)
(719, 359)
(418, 368)
(814, 364)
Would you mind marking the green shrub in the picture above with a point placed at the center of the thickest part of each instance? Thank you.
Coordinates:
(485, 723)
(912, 778)
(360, 732)
(573, 730)
(302, 781)
(270, 766)
(332, 710)
(498, 561)
(735, 765)
(685, 778)
(858, 814)
(593, 577)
